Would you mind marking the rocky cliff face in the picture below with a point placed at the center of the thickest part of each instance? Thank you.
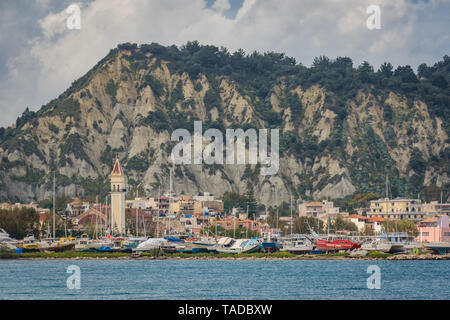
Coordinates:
(129, 104)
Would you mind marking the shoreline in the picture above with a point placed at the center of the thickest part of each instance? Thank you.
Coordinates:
(266, 257)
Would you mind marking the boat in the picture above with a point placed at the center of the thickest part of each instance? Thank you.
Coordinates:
(61, 247)
(239, 246)
(150, 244)
(398, 240)
(197, 246)
(174, 245)
(83, 243)
(28, 244)
(438, 247)
(4, 236)
(133, 242)
(298, 245)
(205, 244)
(6, 241)
(64, 244)
(377, 245)
(104, 249)
(335, 243)
(270, 246)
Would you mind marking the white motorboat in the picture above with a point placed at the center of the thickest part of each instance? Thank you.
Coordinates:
(377, 245)
(297, 245)
(229, 245)
(4, 236)
(150, 244)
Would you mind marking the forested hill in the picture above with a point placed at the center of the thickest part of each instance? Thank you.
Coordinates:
(343, 128)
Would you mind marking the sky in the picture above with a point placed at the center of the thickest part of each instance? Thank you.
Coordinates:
(40, 56)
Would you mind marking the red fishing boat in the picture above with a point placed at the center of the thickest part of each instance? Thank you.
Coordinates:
(335, 244)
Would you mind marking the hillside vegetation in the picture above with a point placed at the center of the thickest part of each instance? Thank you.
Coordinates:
(343, 128)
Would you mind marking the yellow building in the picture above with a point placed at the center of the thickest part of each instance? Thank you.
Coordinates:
(397, 209)
(183, 206)
(118, 190)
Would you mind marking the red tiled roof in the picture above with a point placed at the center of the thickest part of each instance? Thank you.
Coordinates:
(314, 204)
(376, 219)
(356, 216)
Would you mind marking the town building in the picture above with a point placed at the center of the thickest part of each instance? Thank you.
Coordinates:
(317, 209)
(434, 229)
(397, 209)
(434, 208)
(205, 196)
(77, 207)
(118, 191)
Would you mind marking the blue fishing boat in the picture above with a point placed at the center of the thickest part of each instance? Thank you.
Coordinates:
(105, 249)
(439, 247)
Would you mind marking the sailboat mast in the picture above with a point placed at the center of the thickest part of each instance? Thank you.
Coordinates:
(54, 207)
(96, 220)
(292, 222)
(248, 225)
(387, 187)
(276, 195)
(170, 197)
(158, 212)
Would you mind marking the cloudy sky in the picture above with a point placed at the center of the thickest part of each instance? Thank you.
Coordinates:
(40, 57)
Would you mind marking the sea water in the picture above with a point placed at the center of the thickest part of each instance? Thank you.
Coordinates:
(223, 279)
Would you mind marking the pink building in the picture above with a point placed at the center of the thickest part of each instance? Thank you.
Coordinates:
(434, 229)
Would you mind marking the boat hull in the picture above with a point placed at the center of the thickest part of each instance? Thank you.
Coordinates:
(439, 248)
(298, 250)
(336, 245)
(378, 247)
(397, 247)
(252, 249)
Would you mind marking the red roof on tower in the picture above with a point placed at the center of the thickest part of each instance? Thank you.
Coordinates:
(117, 170)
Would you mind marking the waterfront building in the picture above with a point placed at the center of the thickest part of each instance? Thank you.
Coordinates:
(200, 207)
(9, 206)
(77, 207)
(203, 196)
(184, 206)
(434, 208)
(317, 209)
(376, 223)
(434, 229)
(229, 223)
(118, 191)
(359, 221)
(159, 205)
(397, 209)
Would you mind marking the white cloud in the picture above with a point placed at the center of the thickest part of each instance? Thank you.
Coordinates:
(302, 29)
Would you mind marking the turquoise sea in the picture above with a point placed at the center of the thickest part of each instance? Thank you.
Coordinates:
(223, 279)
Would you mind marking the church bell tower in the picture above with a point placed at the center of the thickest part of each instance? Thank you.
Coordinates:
(118, 190)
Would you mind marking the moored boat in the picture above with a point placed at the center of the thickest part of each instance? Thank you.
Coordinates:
(377, 245)
(150, 244)
(298, 245)
(438, 247)
(239, 246)
(335, 244)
